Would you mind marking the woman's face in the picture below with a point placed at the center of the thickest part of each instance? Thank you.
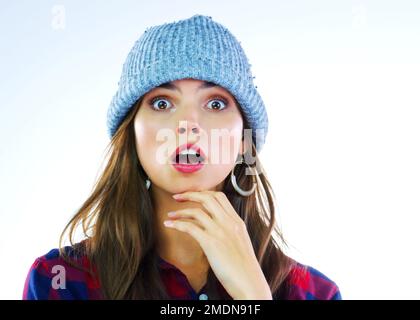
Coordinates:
(188, 111)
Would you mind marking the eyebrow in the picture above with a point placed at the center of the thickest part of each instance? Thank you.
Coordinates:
(171, 86)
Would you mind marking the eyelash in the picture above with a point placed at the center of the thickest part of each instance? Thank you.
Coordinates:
(153, 100)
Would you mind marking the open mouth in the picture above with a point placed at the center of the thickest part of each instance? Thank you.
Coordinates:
(188, 154)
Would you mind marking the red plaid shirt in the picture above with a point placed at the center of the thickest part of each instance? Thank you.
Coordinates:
(303, 283)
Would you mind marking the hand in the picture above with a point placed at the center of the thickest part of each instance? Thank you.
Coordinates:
(223, 236)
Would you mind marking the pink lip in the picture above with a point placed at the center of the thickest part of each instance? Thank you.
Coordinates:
(188, 168)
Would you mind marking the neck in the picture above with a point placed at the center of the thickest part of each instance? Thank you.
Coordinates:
(174, 246)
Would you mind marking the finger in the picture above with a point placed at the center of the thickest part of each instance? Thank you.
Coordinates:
(199, 224)
(191, 228)
(216, 211)
(195, 213)
(225, 203)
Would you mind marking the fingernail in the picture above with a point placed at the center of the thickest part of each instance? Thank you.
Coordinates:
(168, 223)
(171, 214)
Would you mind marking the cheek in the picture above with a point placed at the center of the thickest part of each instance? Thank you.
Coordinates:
(151, 150)
(225, 142)
(145, 135)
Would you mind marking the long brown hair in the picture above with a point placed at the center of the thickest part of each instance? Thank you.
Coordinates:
(118, 220)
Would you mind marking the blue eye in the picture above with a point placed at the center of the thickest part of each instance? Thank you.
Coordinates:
(161, 105)
(215, 103)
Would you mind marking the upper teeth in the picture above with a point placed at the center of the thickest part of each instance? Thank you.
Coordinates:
(188, 151)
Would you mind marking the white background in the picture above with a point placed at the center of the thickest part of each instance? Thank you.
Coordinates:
(340, 80)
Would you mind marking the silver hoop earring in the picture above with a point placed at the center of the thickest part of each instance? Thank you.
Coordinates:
(148, 183)
(244, 193)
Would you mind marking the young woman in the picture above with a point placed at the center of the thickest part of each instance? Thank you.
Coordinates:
(177, 213)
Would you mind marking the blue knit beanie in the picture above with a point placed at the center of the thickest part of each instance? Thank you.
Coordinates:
(197, 48)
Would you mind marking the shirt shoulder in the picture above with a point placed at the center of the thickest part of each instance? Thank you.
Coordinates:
(304, 282)
(51, 277)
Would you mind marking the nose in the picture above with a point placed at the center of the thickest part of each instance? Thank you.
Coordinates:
(188, 126)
